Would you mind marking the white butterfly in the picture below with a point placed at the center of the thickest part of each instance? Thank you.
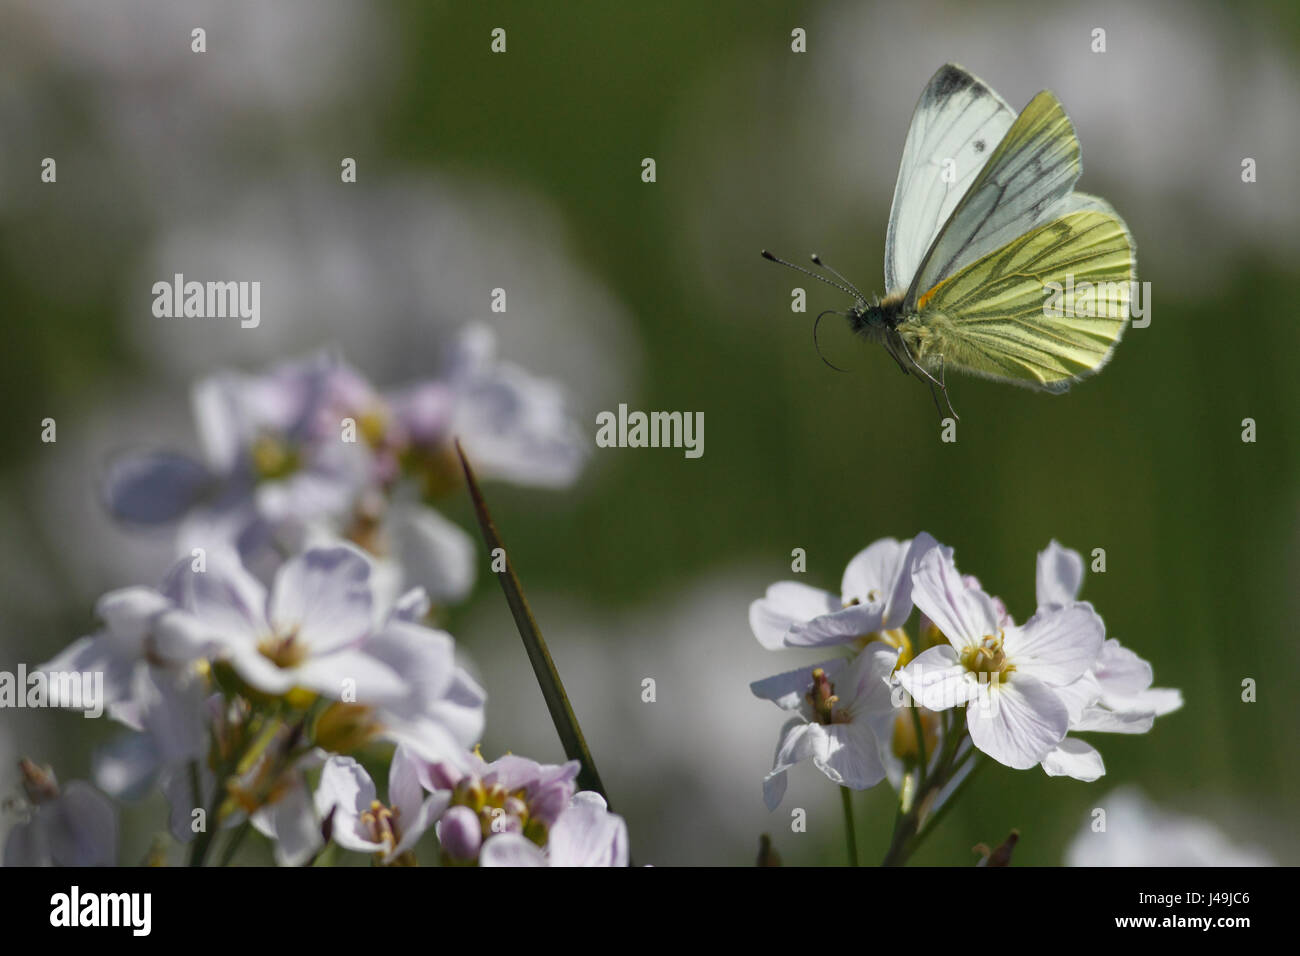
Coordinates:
(993, 264)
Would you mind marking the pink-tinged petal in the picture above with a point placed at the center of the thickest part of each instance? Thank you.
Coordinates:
(1074, 758)
(937, 679)
(787, 690)
(1060, 576)
(344, 784)
(347, 789)
(460, 832)
(1120, 671)
(963, 614)
(785, 604)
(404, 791)
(1056, 646)
(416, 823)
(510, 849)
(851, 756)
(1018, 722)
(587, 834)
(323, 595)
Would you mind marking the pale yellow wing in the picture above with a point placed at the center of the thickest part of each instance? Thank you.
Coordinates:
(1043, 311)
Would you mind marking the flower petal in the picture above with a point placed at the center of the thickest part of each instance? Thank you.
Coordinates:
(1060, 576)
(1019, 722)
(785, 604)
(1074, 758)
(323, 595)
(964, 615)
(937, 681)
(1057, 645)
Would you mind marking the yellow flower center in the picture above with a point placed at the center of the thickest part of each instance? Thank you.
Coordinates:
(273, 458)
(988, 657)
(283, 651)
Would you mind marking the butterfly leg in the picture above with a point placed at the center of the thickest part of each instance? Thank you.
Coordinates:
(930, 379)
(943, 386)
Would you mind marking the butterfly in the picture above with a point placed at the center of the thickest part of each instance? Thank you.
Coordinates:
(994, 265)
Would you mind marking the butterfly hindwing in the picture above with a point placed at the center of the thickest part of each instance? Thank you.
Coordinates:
(998, 317)
(958, 120)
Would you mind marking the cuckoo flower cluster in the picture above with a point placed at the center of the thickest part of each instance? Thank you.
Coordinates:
(923, 706)
(284, 657)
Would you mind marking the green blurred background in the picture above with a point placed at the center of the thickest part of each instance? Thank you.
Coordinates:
(645, 568)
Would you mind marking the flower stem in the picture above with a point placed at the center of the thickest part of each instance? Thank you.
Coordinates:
(228, 853)
(919, 729)
(850, 831)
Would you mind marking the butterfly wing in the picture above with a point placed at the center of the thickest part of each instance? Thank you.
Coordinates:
(998, 317)
(958, 118)
(1033, 169)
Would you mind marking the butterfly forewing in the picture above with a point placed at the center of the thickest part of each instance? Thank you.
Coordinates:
(956, 125)
(1033, 168)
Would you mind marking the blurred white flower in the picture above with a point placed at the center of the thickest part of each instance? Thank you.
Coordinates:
(363, 824)
(585, 834)
(67, 826)
(1139, 833)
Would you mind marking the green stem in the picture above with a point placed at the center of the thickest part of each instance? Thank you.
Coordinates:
(850, 831)
(937, 817)
(203, 840)
(919, 729)
(232, 844)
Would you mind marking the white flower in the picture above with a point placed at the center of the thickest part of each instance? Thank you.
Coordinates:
(585, 834)
(361, 822)
(840, 705)
(70, 826)
(1009, 676)
(1115, 694)
(875, 596)
(1138, 833)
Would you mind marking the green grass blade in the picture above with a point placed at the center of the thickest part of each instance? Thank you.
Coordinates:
(548, 678)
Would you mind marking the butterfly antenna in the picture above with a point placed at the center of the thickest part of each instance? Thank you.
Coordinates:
(808, 272)
(817, 260)
(817, 345)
